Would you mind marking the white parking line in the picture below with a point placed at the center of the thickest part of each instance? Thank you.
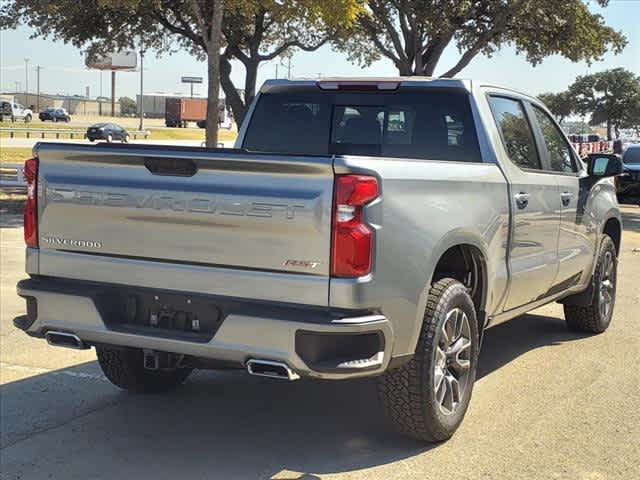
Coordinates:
(42, 371)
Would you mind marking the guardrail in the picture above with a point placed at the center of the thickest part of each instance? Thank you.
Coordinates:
(12, 178)
(42, 132)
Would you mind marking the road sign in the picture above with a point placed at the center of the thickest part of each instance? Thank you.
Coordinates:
(191, 79)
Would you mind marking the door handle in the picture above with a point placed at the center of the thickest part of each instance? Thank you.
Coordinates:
(522, 200)
(565, 197)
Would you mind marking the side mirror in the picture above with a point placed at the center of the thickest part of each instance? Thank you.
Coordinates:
(604, 165)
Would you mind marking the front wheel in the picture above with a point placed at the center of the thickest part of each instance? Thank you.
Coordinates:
(596, 317)
(428, 397)
(27, 118)
(124, 367)
(125, 139)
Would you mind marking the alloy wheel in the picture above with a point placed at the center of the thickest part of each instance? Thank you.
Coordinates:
(606, 290)
(453, 361)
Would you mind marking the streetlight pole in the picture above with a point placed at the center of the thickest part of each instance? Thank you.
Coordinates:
(141, 108)
(26, 80)
(113, 93)
(38, 68)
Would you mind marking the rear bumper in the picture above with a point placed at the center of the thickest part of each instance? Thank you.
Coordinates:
(314, 342)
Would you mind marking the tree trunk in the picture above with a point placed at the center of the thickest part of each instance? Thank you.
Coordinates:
(251, 78)
(213, 95)
(609, 136)
(238, 107)
(213, 43)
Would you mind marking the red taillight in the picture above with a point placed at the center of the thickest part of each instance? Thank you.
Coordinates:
(31, 205)
(352, 239)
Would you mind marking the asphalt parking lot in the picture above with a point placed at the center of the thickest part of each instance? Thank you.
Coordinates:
(548, 404)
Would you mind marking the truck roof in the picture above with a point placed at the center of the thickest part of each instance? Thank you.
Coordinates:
(463, 83)
(402, 81)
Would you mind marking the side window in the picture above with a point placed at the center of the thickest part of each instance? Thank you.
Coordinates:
(560, 157)
(516, 132)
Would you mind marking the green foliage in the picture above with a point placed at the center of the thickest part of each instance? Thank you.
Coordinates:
(104, 26)
(609, 97)
(128, 106)
(560, 104)
(413, 34)
(631, 118)
(256, 31)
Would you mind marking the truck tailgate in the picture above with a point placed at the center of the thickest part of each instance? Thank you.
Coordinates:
(218, 209)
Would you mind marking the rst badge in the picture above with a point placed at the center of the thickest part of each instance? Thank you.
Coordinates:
(310, 264)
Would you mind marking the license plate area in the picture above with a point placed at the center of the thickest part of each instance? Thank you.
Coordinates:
(158, 313)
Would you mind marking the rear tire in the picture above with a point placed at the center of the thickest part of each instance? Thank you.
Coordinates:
(428, 397)
(596, 317)
(124, 368)
(109, 138)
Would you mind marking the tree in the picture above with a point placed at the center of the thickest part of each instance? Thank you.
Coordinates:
(607, 97)
(560, 104)
(413, 34)
(257, 31)
(631, 118)
(128, 106)
(102, 26)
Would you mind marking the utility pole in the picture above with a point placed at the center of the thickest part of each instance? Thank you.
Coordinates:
(141, 107)
(26, 80)
(113, 93)
(38, 68)
(17, 86)
(100, 101)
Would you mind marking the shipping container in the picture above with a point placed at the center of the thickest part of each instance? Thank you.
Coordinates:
(179, 111)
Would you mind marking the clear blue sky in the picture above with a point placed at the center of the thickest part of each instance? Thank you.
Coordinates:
(64, 72)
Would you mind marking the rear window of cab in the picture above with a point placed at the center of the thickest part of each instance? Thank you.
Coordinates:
(435, 125)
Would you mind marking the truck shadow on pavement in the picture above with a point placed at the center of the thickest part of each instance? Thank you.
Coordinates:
(72, 423)
(630, 219)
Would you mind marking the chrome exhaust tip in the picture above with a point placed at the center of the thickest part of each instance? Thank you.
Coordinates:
(65, 339)
(271, 369)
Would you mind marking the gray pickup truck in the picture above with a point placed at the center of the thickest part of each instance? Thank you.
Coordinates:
(361, 227)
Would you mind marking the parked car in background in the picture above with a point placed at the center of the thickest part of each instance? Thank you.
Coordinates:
(108, 132)
(55, 115)
(628, 183)
(14, 111)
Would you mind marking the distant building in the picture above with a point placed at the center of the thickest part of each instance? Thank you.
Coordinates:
(75, 104)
